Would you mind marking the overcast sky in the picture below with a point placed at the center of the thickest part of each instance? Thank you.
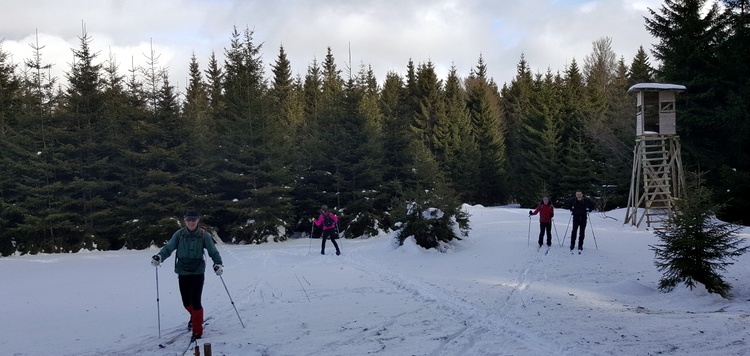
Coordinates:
(382, 33)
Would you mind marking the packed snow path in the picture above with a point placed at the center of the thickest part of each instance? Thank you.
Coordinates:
(492, 294)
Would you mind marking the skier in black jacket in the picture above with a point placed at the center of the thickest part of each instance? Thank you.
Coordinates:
(580, 206)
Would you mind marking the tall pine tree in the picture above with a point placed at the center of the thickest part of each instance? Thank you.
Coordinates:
(488, 125)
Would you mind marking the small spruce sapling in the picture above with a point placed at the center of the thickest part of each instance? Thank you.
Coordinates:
(695, 246)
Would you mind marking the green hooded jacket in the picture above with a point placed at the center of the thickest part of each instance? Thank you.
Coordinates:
(189, 254)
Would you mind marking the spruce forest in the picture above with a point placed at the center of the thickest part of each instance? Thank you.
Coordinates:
(102, 160)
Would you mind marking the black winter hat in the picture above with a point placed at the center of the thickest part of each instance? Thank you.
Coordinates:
(191, 214)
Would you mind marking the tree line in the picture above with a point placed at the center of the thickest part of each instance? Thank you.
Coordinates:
(108, 161)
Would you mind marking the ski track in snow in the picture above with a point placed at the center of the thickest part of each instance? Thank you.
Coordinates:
(491, 295)
(478, 321)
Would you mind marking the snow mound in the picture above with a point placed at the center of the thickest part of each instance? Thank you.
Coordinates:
(631, 287)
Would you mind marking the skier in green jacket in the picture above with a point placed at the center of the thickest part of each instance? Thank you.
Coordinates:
(190, 266)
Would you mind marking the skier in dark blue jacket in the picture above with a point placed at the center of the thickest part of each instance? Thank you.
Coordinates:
(580, 206)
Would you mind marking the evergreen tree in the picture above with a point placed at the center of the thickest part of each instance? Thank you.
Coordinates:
(620, 114)
(688, 41)
(332, 84)
(158, 151)
(307, 192)
(152, 74)
(34, 181)
(487, 124)
(40, 98)
(214, 84)
(288, 123)
(132, 221)
(411, 86)
(397, 140)
(577, 172)
(608, 105)
(428, 210)
(107, 161)
(428, 96)
(197, 105)
(121, 110)
(578, 164)
(695, 246)
(325, 101)
(543, 137)
(640, 69)
(361, 158)
(84, 188)
(617, 140)
(456, 147)
(13, 145)
(517, 97)
(287, 106)
(200, 136)
(412, 178)
(10, 90)
(733, 117)
(286, 99)
(255, 181)
(704, 49)
(574, 98)
(312, 88)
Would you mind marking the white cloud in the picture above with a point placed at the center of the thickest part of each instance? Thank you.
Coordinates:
(384, 34)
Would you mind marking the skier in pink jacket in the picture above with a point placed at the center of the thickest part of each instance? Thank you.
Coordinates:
(328, 221)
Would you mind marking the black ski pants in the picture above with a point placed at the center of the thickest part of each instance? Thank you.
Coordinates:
(545, 227)
(579, 225)
(191, 289)
(329, 234)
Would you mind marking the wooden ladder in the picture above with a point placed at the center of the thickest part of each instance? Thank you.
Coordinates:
(657, 178)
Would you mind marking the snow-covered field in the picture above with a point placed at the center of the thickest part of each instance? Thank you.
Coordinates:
(492, 294)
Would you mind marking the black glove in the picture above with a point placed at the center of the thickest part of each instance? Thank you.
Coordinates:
(156, 260)
(219, 269)
(531, 212)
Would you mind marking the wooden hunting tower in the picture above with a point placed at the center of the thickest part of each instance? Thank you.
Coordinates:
(657, 178)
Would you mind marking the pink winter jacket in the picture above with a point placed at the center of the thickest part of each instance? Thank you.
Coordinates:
(319, 221)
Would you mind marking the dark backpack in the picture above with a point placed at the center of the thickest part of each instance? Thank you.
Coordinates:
(328, 220)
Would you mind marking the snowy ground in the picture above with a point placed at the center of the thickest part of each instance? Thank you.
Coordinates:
(491, 295)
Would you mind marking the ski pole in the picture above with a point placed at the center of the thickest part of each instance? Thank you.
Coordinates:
(566, 230)
(158, 312)
(556, 235)
(230, 299)
(528, 235)
(592, 231)
(312, 227)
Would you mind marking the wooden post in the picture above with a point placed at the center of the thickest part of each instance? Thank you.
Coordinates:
(207, 349)
(197, 351)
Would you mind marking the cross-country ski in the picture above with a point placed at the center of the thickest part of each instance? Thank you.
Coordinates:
(183, 333)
